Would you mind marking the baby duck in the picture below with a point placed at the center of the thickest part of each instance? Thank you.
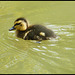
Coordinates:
(33, 32)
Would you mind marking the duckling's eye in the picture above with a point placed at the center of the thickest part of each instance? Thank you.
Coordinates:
(20, 25)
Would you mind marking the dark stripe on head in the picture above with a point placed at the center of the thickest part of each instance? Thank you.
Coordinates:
(17, 24)
(22, 18)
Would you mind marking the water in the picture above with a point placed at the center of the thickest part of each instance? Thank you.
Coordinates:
(56, 56)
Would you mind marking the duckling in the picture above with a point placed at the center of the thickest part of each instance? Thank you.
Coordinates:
(32, 32)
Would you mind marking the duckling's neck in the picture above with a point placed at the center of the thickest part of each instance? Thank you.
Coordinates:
(20, 34)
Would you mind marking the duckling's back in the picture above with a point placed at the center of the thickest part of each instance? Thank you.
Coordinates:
(38, 32)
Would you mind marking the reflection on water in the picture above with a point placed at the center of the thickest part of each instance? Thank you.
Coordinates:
(26, 56)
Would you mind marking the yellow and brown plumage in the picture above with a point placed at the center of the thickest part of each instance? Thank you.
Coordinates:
(33, 32)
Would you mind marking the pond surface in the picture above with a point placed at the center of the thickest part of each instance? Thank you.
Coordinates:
(56, 56)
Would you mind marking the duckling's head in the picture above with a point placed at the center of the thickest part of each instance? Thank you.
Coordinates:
(20, 24)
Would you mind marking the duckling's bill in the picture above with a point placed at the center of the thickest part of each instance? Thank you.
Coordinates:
(13, 28)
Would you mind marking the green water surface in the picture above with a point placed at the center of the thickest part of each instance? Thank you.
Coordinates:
(56, 56)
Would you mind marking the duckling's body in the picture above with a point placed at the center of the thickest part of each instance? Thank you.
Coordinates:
(34, 32)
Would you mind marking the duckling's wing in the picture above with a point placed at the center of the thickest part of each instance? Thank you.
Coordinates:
(43, 32)
(39, 32)
(29, 35)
